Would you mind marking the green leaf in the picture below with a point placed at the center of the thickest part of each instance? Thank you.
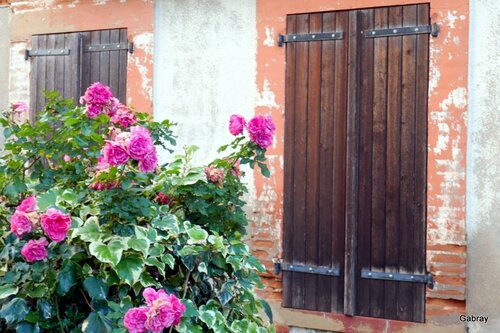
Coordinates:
(139, 244)
(97, 323)
(47, 199)
(7, 290)
(70, 197)
(166, 223)
(130, 268)
(67, 278)
(38, 291)
(141, 232)
(197, 235)
(96, 288)
(91, 231)
(208, 317)
(45, 309)
(169, 260)
(157, 250)
(110, 253)
(156, 263)
(202, 268)
(267, 310)
(264, 170)
(27, 328)
(14, 311)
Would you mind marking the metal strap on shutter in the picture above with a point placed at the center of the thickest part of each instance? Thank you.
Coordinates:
(312, 37)
(403, 31)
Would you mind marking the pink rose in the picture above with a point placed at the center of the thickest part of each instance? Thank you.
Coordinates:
(28, 205)
(236, 170)
(261, 130)
(140, 143)
(35, 250)
(114, 153)
(102, 164)
(236, 124)
(20, 107)
(55, 224)
(20, 224)
(93, 110)
(135, 320)
(214, 175)
(98, 98)
(149, 161)
(124, 117)
(165, 310)
(111, 107)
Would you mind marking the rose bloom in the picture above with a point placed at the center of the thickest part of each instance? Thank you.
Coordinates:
(135, 320)
(149, 161)
(236, 124)
(140, 143)
(28, 205)
(165, 309)
(114, 153)
(111, 107)
(124, 116)
(162, 198)
(35, 250)
(56, 224)
(20, 223)
(214, 175)
(20, 107)
(261, 130)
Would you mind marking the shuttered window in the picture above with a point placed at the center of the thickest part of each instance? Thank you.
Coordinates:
(355, 162)
(70, 62)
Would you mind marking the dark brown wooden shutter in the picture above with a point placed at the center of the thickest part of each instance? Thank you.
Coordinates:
(70, 62)
(355, 162)
(58, 70)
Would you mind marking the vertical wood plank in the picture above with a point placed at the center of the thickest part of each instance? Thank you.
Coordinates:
(122, 72)
(339, 159)
(407, 159)
(379, 164)
(50, 63)
(95, 58)
(300, 168)
(104, 58)
(325, 232)
(41, 75)
(86, 62)
(34, 80)
(365, 162)
(312, 179)
(393, 159)
(114, 64)
(422, 79)
(289, 163)
(59, 64)
(352, 166)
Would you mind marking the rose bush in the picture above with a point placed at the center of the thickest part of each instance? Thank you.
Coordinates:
(97, 237)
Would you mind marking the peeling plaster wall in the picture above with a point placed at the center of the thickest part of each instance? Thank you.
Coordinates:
(483, 172)
(204, 69)
(4, 62)
(58, 16)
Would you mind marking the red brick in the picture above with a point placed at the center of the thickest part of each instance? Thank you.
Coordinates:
(448, 258)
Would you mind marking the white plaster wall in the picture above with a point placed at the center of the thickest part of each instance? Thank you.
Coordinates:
(4, 63)
(204, 68)
(483, 171)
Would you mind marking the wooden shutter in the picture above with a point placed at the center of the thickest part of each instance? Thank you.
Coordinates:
(70, 62)
(55, 65)
(355, 163)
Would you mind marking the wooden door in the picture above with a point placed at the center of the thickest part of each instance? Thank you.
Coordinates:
(355, 162)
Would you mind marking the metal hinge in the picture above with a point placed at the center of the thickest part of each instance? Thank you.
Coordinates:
(48, 52)
(390, 32)
(309, 37)
(110, 47)
(321, 270)
(403, 277)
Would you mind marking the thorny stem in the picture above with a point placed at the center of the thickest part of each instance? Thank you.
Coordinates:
(86, 300)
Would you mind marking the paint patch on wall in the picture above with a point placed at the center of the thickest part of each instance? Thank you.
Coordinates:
(266, 96)
(19, 84)
(269, 41)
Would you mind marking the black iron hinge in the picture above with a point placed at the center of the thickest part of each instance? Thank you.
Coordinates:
(48, 52)
(403, 277)
(109, 47)
(321, 270)
(313, 37)
(403, 31)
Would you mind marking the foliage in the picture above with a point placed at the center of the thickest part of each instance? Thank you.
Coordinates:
(171, 229)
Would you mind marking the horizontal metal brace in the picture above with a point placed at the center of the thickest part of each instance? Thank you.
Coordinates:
(109, 47)
(321, 270)
(309, 37)
(48, 52)
(390, 32)
(403, 277)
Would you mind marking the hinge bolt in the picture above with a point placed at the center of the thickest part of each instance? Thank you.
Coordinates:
(390, 276)
(395, 30)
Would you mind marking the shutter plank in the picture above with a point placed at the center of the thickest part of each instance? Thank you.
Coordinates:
(339, 158)
(34, 81)
(86, 62)
(114, 64)
(377, 289)
(422, 79)
(393, 160)
(289, 162)
(59, 64)
(95, 58)
(300, 168)
(352, 166)
(122, 73)
(325, 283)
(313, 141)
(407, 184)
(41, 82)
(365, 163)
(104, 58)
(50, 64)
